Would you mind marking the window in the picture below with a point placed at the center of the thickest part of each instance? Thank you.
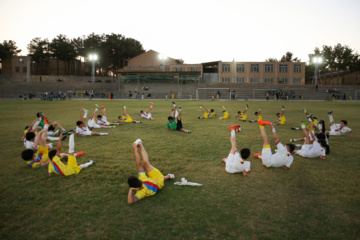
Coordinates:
(193, 69)
(283, 67)
(17, 69)
(283, 80)
(240, 79)
(297, 80)
(254, 67)
(254, 80)
(268, 80)
(226, 67)
(240, 67)
(24, 69)
(225, 79)
(269, 68)
(178, 69)
(297, 68)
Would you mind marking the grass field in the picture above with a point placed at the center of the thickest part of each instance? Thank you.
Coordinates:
(315, 199)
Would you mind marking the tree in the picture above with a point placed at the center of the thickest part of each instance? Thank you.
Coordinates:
(271, 60)
(39, 52)
(338, 58)
(113, 50)
(288, 57)
(8, 49)
(61, 48)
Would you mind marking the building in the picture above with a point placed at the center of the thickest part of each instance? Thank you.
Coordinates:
(17, 66)
(23, 66)
(152, 63)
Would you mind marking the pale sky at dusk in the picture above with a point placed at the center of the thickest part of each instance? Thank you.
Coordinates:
(195, 31)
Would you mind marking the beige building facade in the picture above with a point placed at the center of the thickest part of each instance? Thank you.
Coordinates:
(271, 73)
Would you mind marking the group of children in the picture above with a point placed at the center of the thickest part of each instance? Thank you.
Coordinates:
(316, 145)
(150, 180)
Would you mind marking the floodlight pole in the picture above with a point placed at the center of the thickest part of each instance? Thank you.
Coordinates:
(316, 77)
(93, 58)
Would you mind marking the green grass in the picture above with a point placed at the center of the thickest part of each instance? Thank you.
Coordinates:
(315, 199)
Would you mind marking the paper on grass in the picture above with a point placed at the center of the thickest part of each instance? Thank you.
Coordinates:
(185, 182)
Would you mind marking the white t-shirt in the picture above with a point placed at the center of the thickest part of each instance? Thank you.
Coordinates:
(281, 158)
(235, 164)
(83, 130)
(29, 144)
(103, 121)
(312, 150)
(146, 115)
(338, 130)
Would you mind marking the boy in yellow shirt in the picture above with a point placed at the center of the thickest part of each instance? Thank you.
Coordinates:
(207, 114)
(280, 117)
(144, 185)
(258, 116)
(58, 167)
(37, 155)
(225, 114)
(242, 116)
(126, 117)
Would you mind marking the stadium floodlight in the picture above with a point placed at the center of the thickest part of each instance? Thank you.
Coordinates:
(163, 58)
(316, 60)
(93, 58)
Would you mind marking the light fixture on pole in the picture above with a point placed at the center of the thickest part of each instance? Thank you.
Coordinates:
(93, 58)
(316, 60)
(163, 58)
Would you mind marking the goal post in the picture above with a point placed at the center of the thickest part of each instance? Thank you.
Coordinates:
(357, 95)
(208, 93)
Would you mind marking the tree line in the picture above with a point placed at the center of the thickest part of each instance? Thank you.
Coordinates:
(114, 50)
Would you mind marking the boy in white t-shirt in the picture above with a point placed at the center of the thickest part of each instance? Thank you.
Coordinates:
(102, 119)
(338, 129)
(82, 129)
(147, 113)
(235, 162)
(282, 158)
(315, 150)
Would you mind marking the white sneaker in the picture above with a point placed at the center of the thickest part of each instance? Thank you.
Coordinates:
(57, 132)
(50, 145)
(138, 142)
(85, 110)
(172, 176)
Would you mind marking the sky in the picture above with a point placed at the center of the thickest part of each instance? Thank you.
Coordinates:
(196, 31)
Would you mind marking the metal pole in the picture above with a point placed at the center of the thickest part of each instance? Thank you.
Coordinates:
(93, 71)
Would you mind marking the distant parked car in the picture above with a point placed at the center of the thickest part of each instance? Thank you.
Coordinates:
(97, 80)
(108, 81)
(60, 80)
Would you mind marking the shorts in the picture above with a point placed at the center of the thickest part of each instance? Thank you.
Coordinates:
(234, 164)
(304, 149)
(335, 133)
(126, 119)
(73, 164)
(93, 124)
(51, 128)
(266, 156)
(45, 153)
(86, 133)
(148, 116)
(155, 176)
(179, 125)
